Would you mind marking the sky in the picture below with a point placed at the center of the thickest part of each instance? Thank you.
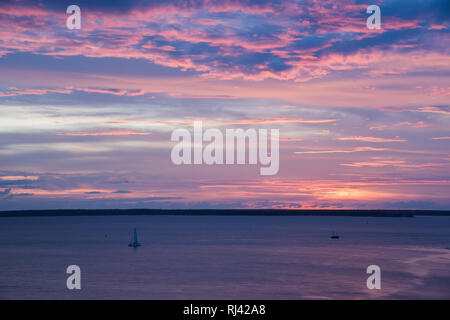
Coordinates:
(86, 115)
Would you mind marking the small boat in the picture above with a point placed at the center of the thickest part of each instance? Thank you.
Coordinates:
(334, 235)
(135, 242)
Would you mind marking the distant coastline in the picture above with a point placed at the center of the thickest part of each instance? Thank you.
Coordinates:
(224, 212)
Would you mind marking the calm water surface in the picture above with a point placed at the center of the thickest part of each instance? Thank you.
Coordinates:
(216, 257)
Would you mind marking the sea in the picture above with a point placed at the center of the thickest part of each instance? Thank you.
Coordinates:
(225, 257)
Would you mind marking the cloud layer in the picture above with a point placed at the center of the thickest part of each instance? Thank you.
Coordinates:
(86, 115)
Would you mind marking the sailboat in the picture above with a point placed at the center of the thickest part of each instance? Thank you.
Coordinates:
(135, 242)
(334, 235)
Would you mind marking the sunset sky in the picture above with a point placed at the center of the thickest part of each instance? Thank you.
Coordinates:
(86, 115)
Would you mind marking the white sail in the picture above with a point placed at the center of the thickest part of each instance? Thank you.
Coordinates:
(135, 242)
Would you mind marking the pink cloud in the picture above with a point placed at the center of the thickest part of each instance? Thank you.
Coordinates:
(107, 133)
(418, 124)
(115, 92)
(18, 92)
(276, 120)
(441, 138)
(359, 149)
(120, 33)
(370, 139)
(290, 139)
(378, 128)
(13, 91)
(434, 110)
